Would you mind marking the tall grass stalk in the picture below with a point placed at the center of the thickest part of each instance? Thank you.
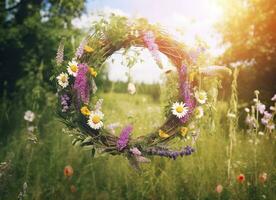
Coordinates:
(233, 121)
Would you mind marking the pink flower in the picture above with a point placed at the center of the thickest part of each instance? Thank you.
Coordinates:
(124, 137)
(219, 188)
(81, 84)
(135, 151)
(263, 177)
(261, 108)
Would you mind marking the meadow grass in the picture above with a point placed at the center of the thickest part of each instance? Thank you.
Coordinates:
(111, 177)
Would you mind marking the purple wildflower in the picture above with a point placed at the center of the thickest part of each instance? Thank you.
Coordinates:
(250, 121)
(65, 102)
(80, 50)
(81, 84)
(261, 108)
(60, 53)
(124, 137)
(185, 93)
(266, 118)
(168, 153)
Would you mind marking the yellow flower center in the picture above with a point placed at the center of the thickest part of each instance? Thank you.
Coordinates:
(74, 68)
(179, 109)
(85, 110)
(201, 96)
(96, 119)
(63, 79)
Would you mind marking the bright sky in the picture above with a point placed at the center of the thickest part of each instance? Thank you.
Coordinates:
(195, 18)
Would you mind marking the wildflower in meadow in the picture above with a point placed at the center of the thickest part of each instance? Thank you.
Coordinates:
(270, 126)
(263, 177)
(273, 98)
(201, 96)
(247, 110)
(199, 112)
(241, 178)
(163, 134)
(73, 189)
(63, 80)
(266, 118)
(93, 71)
(131, 88)
(250, 121)
(179, 109)
(260, 107)
(95, 119)
(184, 131)
(85, 111)
(72, 68)
(124, 137)
(88, 49)
(219, 188)
(68, 171)
(29, 116)
(60, 54)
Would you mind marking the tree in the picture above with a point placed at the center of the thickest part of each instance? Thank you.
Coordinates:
(30, 31)
(249, 29)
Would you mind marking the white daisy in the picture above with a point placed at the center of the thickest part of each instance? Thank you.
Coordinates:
(199, 112)
(95, 119)
(63, 80)
(72, 68)
(201, 96)
(29, 116)
(179, 109)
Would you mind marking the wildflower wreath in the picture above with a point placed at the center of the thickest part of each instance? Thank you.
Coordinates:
(80, 108)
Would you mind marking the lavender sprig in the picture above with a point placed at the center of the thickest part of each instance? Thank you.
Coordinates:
(186, 151)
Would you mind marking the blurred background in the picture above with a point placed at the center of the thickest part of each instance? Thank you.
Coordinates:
(237, 34)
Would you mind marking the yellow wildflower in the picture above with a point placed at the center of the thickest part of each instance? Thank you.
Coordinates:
(184, 131)
(88, 49)
(93, 71)
(85, 111)
(163, 134)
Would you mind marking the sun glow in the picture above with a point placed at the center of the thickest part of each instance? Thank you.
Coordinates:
(187, 21)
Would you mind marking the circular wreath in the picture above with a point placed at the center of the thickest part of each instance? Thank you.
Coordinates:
(77, 87)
